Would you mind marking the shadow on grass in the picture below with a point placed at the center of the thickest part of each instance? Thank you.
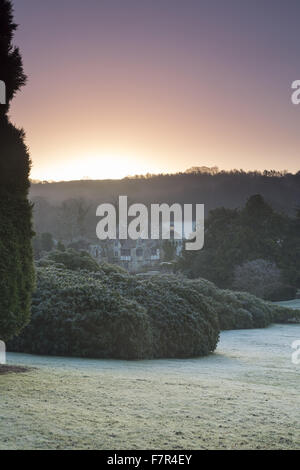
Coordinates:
(5, 369)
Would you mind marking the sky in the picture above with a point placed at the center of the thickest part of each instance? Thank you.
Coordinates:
(124, 87)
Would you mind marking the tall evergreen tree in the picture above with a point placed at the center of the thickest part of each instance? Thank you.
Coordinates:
(16, 265)
(290, 260)
(233, 237)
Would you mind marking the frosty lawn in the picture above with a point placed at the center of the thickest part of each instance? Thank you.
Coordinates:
(246, 395)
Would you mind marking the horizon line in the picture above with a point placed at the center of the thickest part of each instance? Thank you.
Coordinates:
(214, 171)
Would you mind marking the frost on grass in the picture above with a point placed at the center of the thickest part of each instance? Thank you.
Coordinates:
(245, 396)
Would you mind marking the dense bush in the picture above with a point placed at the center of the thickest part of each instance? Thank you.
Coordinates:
(263, 279)
(108, 313)
(82, 314)
(184, 322)
(70, 259)
(236, 237)
(42, 243)
(75, 315)
(258, 277)
(283, 292)
(238, 310)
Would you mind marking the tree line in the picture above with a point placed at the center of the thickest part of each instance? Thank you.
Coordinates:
(252, 245)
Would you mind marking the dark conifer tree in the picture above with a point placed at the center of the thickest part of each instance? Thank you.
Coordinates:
(16, 265)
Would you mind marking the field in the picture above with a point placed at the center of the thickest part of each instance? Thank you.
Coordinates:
(245, 396)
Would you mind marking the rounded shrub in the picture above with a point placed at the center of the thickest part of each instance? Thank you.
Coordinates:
(75, 315)
(239, 310)
(108, 313)
(184, 323)
(70, 259)
(111, 314)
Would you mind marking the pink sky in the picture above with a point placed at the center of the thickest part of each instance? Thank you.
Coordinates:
(157, 87)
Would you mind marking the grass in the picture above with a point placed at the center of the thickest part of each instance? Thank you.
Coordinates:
(5, 369)
(246, 396)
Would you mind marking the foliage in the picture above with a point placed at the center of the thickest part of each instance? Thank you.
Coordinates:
(169, 249)
(284, 292)
(220, 254)
(183, 320)
(71, 219)
(290, 260)
(42, 243)
(258, 277)
(75, 315)
(239, 310)
(112, 314)
(70, 259)
(16, 267)
(11, 68)
(60, 246)
(234, 237)
(230, 189)
(107, 312)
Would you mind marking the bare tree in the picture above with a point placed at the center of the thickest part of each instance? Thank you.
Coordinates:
(258, 277)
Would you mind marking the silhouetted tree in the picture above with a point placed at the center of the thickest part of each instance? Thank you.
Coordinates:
(16, 266)
(71, 219)
(233, 237)
(261, 230)
(259, 277)
(290, 260)
(169, 249)
(220, 255)
(42, 243)
(11, 68)
(61, 246)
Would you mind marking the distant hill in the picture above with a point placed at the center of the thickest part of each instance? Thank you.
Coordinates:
(229, 189)
(198, 185)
